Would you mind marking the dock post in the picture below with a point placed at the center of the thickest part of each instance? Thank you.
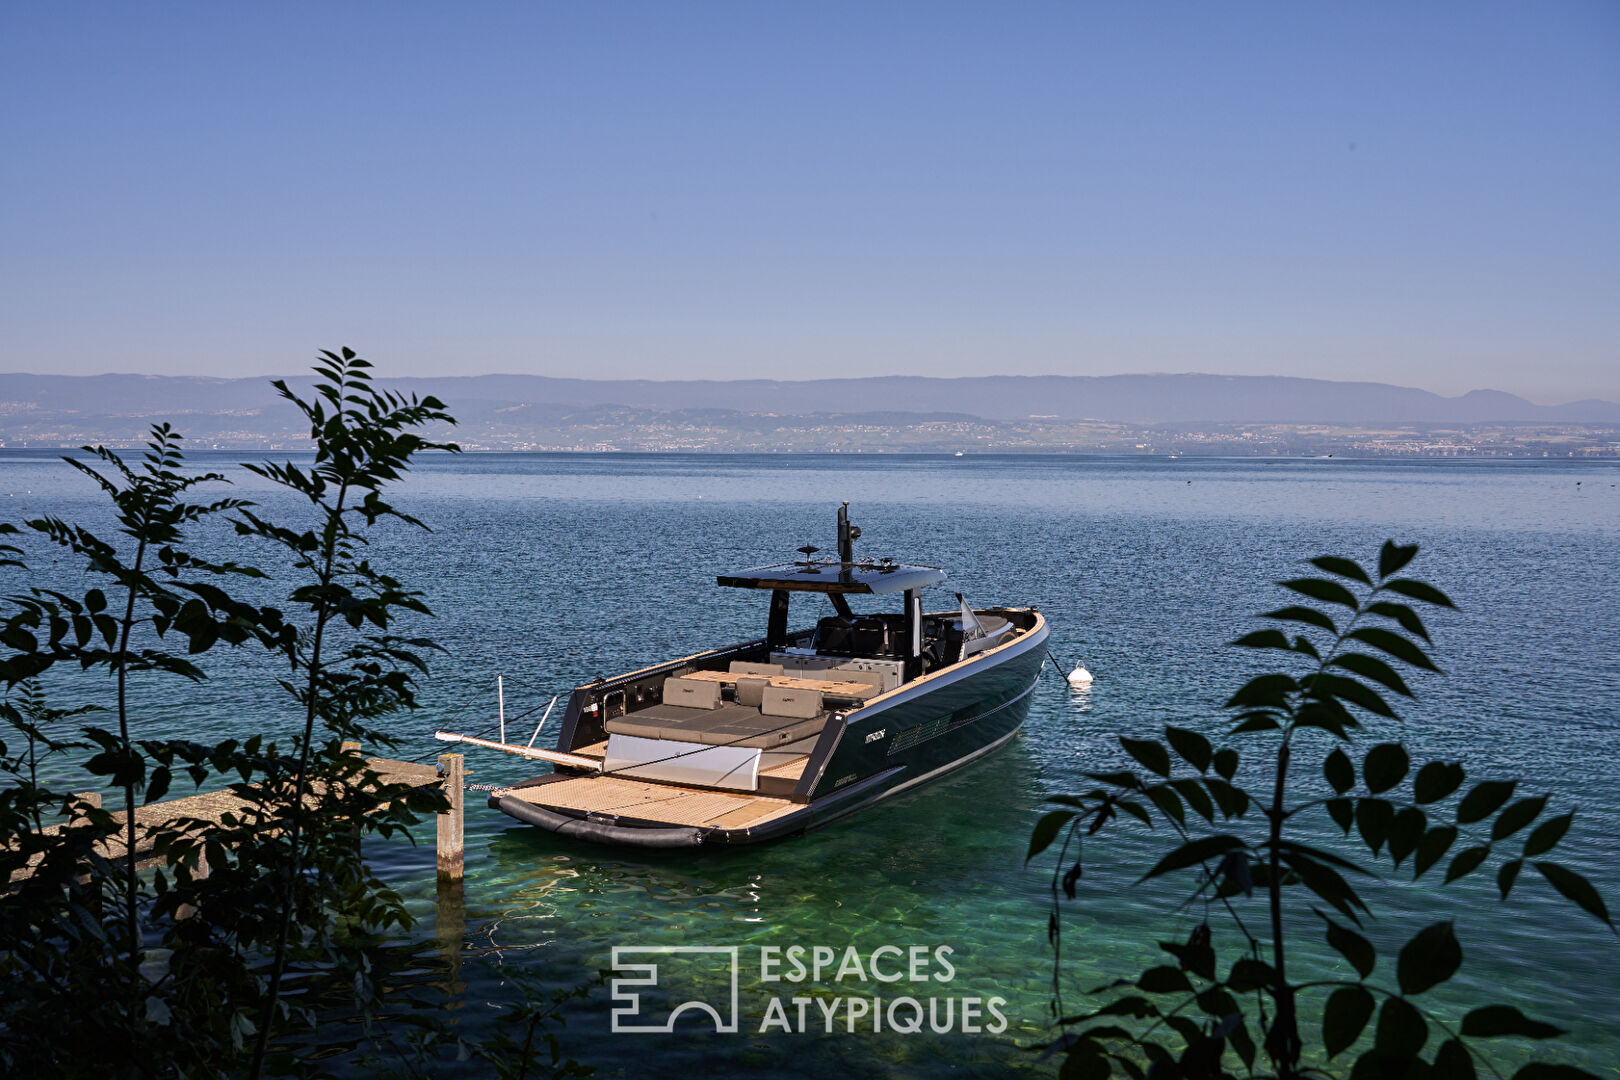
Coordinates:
(91, 800)
(187, 911)
(452, 841)
(357, 832)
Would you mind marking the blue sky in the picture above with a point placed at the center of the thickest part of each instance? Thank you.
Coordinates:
(1422, 194)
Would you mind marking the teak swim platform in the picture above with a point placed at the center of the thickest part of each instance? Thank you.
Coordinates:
(785, 733)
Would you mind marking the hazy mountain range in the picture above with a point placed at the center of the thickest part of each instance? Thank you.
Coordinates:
(114, 401)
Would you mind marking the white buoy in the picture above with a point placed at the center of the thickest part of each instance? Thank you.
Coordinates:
(1080, 677)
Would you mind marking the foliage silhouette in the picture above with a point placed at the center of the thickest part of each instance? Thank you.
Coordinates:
(185, 970)
(1188, 1018)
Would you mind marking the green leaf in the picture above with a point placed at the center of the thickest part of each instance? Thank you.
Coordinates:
(1197, 955)
(1385, 766)
(1046, 830)
(1435, 843)
(1340, 773)
(1406, 832)
(1242, 1044)
(1343, 813)
(158, 785)
(1400, 613)
(1374, 818)
(1193, 747)
(1233, 800)
(1226, 763)
(1538, 1070)
(1344, 1017)
(1394, 644)
(1308, 616)
(1466, 862)
(1194, 852)
(1576, 888)
(1546, 835)
(1328, 884)
(1249, 974)
(1495, 1021)
(1436, 780)
(1085, 1061)
(1262, 639)
(1402, 1030)
(1419, 591)
(1393, 557)
(1263, 691)
(1329, 592)
(1196, 797)
(1430, 958)
(1149, 753)
(1329, 715)
(1345, 568)
(1168, 802)
(1163, 980)
(1351, 945)
(1484, 800)
(1256, 721)
(1453, 1062)
(1372, 668)
(1516, 817)
(1507, 875)
(1218, 1003)
(1338, 687)
(1136, 811)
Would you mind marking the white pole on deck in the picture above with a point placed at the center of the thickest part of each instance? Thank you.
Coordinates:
(500, 698)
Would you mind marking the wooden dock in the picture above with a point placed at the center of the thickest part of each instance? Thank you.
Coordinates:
(212, 806)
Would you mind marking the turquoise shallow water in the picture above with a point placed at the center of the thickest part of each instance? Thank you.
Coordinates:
(552, 569)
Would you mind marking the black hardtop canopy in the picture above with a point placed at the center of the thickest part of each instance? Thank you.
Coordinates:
(845, 575)
(836, 577)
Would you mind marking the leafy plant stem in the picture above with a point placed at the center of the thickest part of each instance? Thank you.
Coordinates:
(131, 881)
(323, 612)
(1282, 1041)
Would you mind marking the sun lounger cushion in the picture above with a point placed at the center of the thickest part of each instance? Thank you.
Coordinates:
(781, 701)
(841, 674)
(729, 725)
(692, 693)
(748, 667)
(751, 690)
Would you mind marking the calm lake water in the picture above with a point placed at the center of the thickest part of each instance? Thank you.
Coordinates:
(552, 569)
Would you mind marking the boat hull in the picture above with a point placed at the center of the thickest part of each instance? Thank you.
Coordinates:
(894, 743)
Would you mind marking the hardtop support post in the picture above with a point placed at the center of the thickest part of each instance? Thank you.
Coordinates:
(913, 631)
(776, 631)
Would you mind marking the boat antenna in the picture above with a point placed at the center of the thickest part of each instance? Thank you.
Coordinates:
(808, 550)
(847, 535)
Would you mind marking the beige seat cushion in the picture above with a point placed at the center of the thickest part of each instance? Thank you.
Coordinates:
(781, 701)
(870, 678)
(692, 693)
(729, 725)
(748, 667)
(751, 690)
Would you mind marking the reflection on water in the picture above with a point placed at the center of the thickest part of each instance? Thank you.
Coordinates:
(553, 569)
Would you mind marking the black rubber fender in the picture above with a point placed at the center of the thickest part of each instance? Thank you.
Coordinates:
(600, 831)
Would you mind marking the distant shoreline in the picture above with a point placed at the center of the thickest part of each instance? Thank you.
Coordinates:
(1609, 452)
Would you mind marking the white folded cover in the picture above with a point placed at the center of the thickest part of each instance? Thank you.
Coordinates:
(732, 767)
